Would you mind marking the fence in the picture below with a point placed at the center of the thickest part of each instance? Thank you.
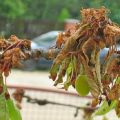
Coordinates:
(56, 105)
(60, 105)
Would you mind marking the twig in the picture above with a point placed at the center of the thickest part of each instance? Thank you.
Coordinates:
(40, 53)
(49, 54)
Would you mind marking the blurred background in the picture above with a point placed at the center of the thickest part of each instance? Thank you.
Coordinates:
(41, 21)
(28, 18)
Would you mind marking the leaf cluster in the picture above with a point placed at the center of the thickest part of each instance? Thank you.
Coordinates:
(79, 58)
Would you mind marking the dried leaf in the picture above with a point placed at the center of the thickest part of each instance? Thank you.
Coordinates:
(53, 71)
(62, 71)
(59, 40)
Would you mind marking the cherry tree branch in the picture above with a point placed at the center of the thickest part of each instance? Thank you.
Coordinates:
(47, 54)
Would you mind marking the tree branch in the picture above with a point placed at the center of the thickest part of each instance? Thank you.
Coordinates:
(40, 53)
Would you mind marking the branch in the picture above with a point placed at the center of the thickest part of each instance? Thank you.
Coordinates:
(53, 52)
(49, 54)
(40, 53)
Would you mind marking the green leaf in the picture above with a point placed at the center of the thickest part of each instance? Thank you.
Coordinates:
(3, 108)
(69, 70)
(117, 80)
(67, 84)
(105, 108)
(14, 113)
(81, 85)
(53, 71)
(8, 111)
(82, 71)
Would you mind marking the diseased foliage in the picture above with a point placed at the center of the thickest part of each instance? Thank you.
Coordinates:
(80, 56)
(13, 51)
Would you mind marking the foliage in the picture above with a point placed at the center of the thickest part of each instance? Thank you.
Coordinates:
(64, 14)
(44, 9)
(105, 107)
(81, 81)
(12, 51)
(11, 9)
(8, 110)
(13, 111)
(79, 59)
(39, 10)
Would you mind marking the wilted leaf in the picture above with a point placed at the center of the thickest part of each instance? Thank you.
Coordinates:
(59, 40)
(69, 69)
(98, 69)
(117, 109)
(93, 33)
(104, 118)
(53, 71)
(114, 92)
(62, 71)
(95, 101)
(67, 83)
(92, 81)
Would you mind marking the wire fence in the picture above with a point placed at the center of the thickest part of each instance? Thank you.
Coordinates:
(47, 104)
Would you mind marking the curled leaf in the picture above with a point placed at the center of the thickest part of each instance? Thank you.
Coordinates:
(53, 71)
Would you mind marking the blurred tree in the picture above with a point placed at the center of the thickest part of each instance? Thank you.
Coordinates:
(115, 10)
(11, 9)
(54, 9)
(51, 9)
(64, 14)
(113, 6)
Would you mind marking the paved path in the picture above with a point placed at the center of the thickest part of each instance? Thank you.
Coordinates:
(32, 79)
